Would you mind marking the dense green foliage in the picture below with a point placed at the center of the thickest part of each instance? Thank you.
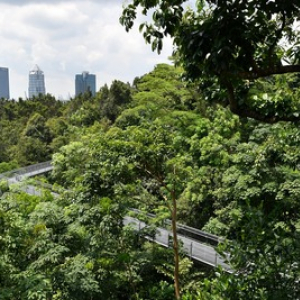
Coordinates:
(32, 130)
(168, 148)
(155, 146)
(227, 45)
(26, 134)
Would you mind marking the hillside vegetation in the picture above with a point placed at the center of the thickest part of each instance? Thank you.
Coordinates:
(165, 147)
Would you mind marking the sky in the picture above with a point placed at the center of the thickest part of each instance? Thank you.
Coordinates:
(67, 37)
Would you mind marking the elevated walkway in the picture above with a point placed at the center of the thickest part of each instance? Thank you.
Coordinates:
(197, 244)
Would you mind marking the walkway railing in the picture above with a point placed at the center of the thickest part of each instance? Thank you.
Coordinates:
(29, 171)
(194, 249)
(185, 230)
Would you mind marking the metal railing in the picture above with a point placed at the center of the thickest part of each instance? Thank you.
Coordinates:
(31, 170)
(193, 248)
(185, 230)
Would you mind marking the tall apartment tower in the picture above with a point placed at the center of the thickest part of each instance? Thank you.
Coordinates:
(36, 82)
(85, 82)
(4, 83)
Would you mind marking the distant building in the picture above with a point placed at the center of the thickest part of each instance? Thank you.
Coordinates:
(4, 83)
(85, 82)
(36, 82)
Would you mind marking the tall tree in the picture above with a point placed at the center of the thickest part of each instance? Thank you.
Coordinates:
(114, 99)
(228, 45)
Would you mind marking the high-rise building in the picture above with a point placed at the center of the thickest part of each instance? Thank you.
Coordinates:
(36, 82)
(4, 83)
(85, 82)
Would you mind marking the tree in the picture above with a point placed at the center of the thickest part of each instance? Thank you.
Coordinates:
(73, 248)
(257, 209)
(36, 128)
(228, 45)
(146, 165)
(113, 100)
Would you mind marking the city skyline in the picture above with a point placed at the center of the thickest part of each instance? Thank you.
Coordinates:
(36, 83)
(66, 37)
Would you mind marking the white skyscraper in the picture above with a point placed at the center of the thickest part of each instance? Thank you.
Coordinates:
(36, 82)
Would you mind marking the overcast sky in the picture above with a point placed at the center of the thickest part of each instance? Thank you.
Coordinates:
(65, 38)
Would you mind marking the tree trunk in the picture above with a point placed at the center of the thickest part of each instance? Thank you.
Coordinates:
(175, 247)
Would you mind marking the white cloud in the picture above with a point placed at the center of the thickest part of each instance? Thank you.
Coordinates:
(67, 37)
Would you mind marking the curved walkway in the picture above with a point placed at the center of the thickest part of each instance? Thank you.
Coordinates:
(197, 244)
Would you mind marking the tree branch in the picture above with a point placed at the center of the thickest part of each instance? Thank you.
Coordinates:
(278, 35)
(276, 70)
(246, 112)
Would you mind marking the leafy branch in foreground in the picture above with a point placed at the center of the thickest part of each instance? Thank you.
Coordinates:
(235, 42)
